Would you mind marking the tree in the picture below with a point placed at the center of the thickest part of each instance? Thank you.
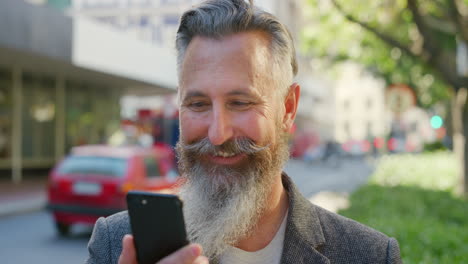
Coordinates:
(404, 41)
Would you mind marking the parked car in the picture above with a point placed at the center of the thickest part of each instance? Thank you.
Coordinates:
(356, 147)
(93, 181)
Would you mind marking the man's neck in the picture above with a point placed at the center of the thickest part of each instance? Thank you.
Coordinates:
(270, 221)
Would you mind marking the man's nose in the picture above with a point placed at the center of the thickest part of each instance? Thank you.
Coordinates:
(220, 127)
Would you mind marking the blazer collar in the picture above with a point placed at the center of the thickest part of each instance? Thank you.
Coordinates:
(304, 236)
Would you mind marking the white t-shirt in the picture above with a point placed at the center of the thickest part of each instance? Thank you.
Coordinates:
(271, 254)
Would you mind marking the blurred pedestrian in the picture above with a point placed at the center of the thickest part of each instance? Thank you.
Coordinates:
(332, 153)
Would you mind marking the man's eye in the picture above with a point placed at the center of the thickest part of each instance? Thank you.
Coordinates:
(197, 106)
(240, 104)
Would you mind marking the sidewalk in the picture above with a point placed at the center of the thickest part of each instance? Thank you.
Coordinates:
(329, 186)
(27, 196)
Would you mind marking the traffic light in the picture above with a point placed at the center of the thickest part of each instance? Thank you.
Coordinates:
(436, 122)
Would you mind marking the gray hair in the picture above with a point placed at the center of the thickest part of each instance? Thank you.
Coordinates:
(219, 18)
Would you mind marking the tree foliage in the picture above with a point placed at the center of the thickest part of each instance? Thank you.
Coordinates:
(403, 41)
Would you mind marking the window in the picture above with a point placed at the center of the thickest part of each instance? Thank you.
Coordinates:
(152, 169)
(87, 106)
(413, 126)
(171, 20)
(347, 129)
(369, 104)
(346, 105)
(108, 166)
(5, 113)
(369, 129)
(38, 116)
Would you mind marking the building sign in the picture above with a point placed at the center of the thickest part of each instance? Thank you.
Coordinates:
(399, 98)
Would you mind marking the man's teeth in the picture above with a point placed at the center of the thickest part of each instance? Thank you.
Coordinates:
(225, 154)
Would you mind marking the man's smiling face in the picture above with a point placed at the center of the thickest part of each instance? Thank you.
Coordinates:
(234, 122)
(226, 92)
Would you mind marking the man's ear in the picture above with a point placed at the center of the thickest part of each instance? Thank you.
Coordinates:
(290, 105)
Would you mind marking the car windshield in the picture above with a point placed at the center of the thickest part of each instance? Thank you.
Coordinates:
(93, 165)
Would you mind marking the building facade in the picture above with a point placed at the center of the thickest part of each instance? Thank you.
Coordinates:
(360, 105)
(330, 105)
(61, 81)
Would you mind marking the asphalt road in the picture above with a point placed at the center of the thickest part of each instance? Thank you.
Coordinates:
(344, 176)
(31, 238)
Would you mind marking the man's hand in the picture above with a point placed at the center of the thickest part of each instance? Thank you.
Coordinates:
(190, 254)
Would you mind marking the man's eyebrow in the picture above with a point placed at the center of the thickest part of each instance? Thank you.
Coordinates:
(200, 94)
(241, 92)
(193, 94)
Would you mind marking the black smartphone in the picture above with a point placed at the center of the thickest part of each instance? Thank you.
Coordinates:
(157, 224)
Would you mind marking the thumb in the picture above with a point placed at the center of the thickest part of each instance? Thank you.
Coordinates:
(128, 255)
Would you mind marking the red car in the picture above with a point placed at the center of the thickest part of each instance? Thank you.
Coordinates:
(94, 180)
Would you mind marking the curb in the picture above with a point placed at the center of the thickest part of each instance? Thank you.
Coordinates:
(331, 201)
(13, 208)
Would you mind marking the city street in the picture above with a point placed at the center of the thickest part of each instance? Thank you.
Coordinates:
(312, 178)
(31, 238)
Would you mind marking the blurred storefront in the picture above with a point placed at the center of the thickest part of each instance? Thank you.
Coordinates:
(61, 81)
(48, 119)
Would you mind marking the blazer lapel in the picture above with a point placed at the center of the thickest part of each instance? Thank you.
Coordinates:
(304, 236)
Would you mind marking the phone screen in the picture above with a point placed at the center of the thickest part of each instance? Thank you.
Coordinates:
(157, 224)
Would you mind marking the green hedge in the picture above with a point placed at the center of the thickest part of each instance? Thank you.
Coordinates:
(433, 171)
(410, 197)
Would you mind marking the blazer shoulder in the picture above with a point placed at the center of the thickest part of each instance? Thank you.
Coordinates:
(105, 244)
(118, 226)
(334, 222)
(355, 242)
(119, 221)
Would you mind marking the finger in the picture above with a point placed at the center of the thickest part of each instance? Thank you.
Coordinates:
(201, 260)
(128, 255)
(185, 255)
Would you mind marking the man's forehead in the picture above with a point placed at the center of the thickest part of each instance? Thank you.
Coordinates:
(245, 46)
(242, 55)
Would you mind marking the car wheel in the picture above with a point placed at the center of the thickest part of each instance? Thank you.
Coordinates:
(62, 229)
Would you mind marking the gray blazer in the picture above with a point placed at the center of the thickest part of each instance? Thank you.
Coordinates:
(313, 235)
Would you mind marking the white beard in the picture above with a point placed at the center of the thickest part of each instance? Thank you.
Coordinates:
(223, 204)
(217, 219)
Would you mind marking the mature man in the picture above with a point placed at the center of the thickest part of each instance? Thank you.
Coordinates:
(237, 105)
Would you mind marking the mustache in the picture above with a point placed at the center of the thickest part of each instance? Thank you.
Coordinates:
(236, 146)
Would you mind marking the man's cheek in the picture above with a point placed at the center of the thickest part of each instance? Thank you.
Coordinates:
(189, 130)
